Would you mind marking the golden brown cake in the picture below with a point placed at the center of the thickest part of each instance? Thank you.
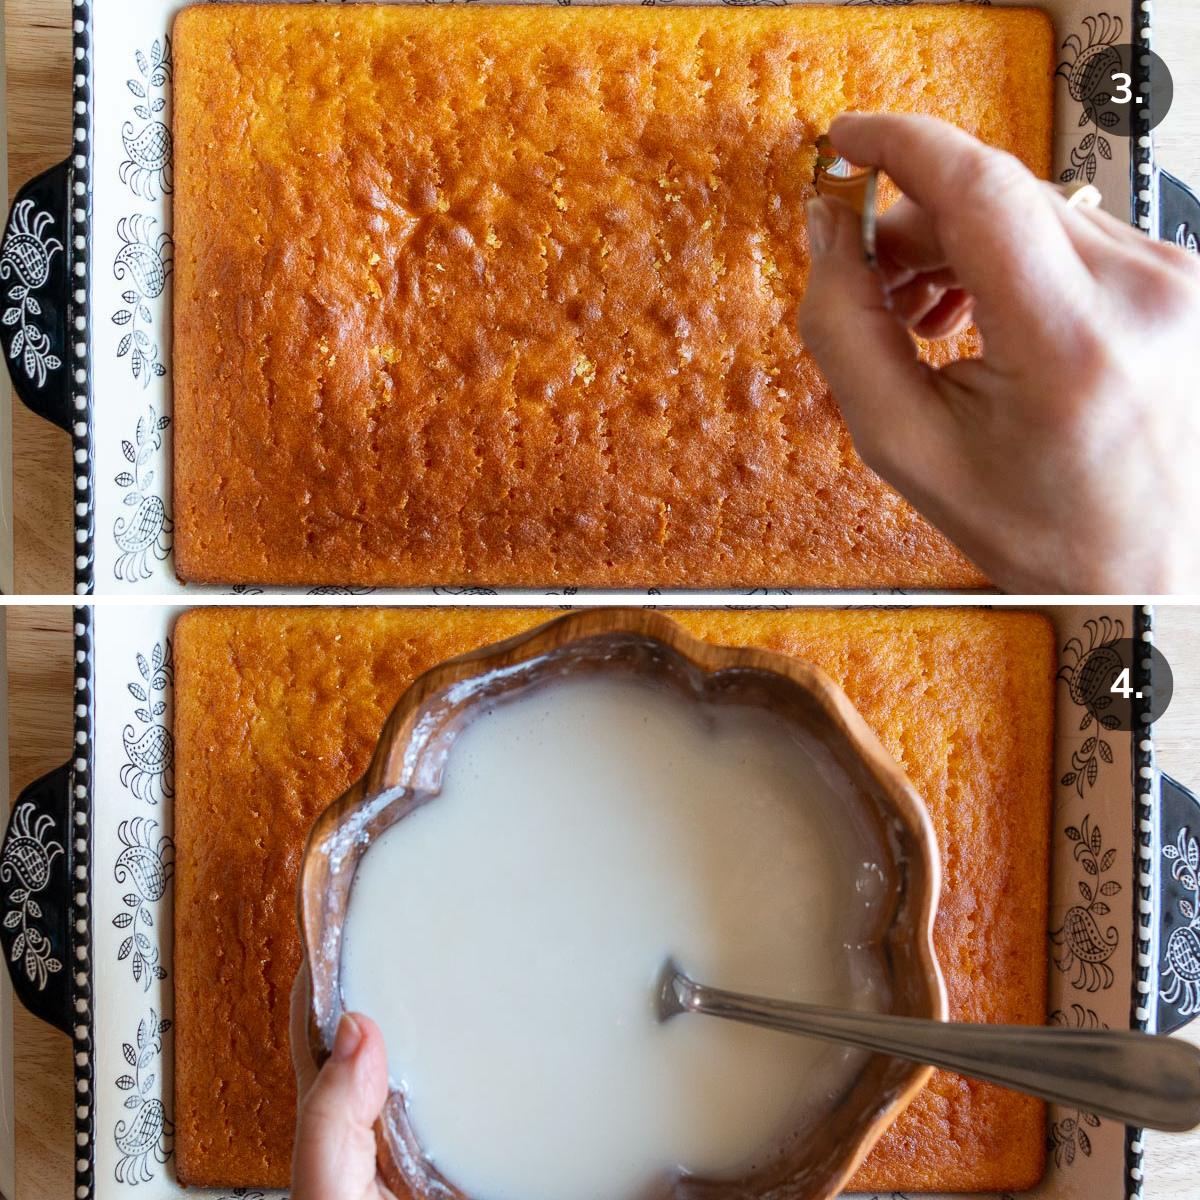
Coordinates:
(507, 296)
(277, 711)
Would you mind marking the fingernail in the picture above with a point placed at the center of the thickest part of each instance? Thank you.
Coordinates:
(820, 225)
(347, 1039)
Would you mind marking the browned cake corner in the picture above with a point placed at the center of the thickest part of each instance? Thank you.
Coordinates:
(277, 712)
(460, 299)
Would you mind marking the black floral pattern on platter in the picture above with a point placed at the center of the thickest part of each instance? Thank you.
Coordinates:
(144, 263)
(1069, 1134)
(1085, 669)
(1086, 57)
(147, 140)
(144, 1137)
(149, 770)
(1085, 943)
(143, 537)
(145, 865)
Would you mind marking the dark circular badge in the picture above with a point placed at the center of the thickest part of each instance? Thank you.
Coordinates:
(1121, 86)
(1121, 684)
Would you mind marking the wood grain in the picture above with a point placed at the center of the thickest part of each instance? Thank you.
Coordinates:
(40, 683)
(1177, 40)
(39, 78)
(39, 135)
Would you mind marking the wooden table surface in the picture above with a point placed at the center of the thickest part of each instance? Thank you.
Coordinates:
(40, 682)
(39, 75)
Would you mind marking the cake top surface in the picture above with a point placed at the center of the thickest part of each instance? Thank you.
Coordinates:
(507, 295)
(277, 712)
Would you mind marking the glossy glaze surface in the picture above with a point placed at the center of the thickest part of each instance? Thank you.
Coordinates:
(506, 936)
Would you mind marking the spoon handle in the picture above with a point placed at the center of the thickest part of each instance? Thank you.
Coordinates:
(1133, 1077)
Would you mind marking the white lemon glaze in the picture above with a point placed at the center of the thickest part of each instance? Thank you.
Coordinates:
(506, 937)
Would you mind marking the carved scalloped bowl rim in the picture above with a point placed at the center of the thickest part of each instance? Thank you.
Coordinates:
(386, 793)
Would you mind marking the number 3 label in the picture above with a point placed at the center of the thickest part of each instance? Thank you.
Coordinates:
(1110, 100)
(1125, 94)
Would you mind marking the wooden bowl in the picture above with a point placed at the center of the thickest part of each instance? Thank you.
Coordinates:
(406, 772)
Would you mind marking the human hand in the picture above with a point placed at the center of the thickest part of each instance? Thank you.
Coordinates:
(334, 1154)
(1067, 458)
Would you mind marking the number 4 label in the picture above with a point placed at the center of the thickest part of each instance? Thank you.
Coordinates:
(1122, 687)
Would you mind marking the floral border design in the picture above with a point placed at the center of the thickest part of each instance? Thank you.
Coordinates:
(1085, 947)
(146, 865)
(149, 150)
(1103, 32)
(28, 856)
(1181, 955)
(146, 1137)
(1068, 1135)
(27, 256)
(145, 536)
(146, 260)
(1082, 667)
(149, 770)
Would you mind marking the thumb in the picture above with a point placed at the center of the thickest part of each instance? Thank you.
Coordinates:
(864, 352)
(334, 1155)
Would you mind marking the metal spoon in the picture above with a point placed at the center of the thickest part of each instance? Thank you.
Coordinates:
(1132, 1077)
(854, 186)
(858, 188)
